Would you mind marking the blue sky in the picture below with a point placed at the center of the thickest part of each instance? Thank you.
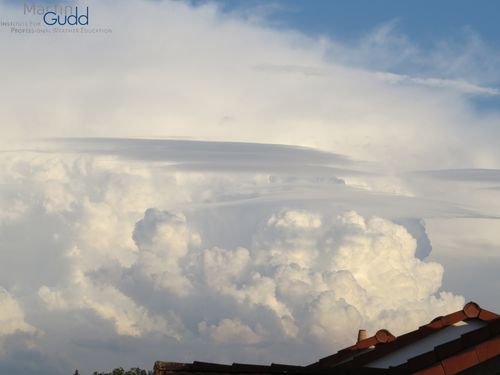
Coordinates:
(424, 21)
(427, 25)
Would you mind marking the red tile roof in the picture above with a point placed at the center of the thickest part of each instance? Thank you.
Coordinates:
(477, 347)
(467, 350)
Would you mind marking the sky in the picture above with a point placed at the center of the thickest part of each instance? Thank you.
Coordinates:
(242, 181)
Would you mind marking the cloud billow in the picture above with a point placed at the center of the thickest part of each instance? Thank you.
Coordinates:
(317, 278)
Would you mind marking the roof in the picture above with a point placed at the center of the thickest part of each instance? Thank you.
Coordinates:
(466, 339)
(470, 350)
(476, 340)
(162, 368)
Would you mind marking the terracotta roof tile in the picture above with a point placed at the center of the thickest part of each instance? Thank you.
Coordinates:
(435, 323)
(453, 318)
(460, 362)
(476, 348)
(487, 315)
(354, 357)
(488, 349)
(364, 346)
(471, 310)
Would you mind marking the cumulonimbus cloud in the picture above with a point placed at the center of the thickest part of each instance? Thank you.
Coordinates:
(301, 276)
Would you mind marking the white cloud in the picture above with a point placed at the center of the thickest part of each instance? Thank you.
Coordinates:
(12, 315)
(287, 275)
(230, 331)
(184, 246)
(108, 303)
(464, 63)
(457, 85)
(366, 268)
(12, 321)
(163, 241)
(140, 90)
